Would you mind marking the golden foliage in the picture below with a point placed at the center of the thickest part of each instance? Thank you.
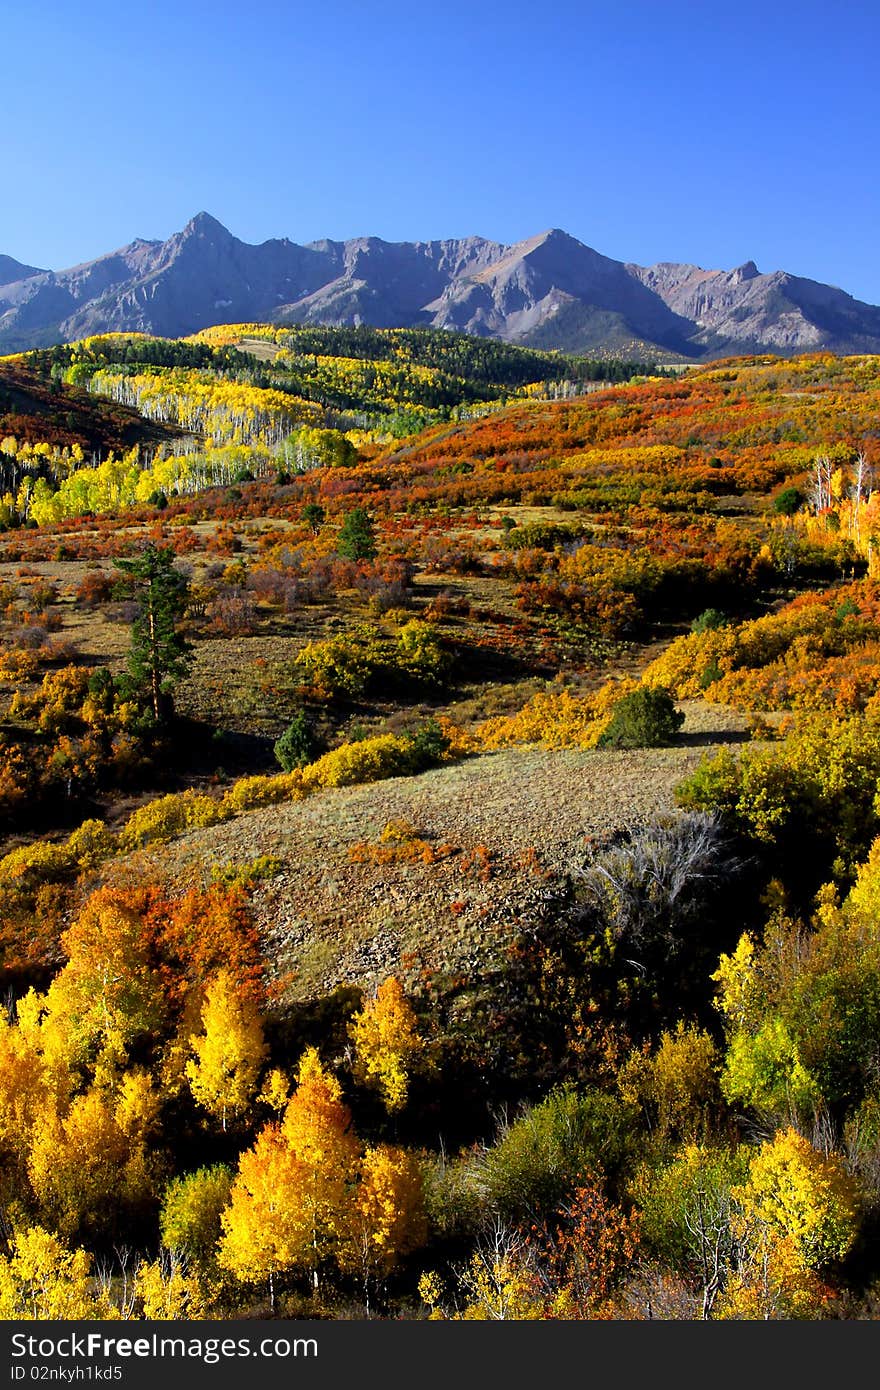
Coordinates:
(386, 1043)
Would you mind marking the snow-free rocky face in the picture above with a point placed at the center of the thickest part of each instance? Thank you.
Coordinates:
(550, 291)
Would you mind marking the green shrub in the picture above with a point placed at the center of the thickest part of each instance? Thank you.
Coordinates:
(646, 718)
(357, 536)
(296, 746)
(538, 1160)
(788, 501)
(690, 1193)
(709, 620)
(428, 745)
(190, 1217)
(817, 788)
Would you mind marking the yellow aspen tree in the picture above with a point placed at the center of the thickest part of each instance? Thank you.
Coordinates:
(264, 1232)
(41, 1279)
(191, 1209)
(138, 1104)
(678, 1083)
(796, 1213)
(386, 1043)
(805, 1197)
(166, 1291)
(107, 994)
(290, 1199)
(229, 1053)
(23, 1090)
(276, 1090)
(84, 1169)
(387, 1217)
(317, 1130)
(771, 1282)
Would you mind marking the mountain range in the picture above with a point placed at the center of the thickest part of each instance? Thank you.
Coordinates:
(550, 291)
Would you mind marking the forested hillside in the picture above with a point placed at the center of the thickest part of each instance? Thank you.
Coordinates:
(441, 833)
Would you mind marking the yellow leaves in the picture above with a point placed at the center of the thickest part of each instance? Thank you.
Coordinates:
(226, 411)
(498, 1283)
(303, 1192)
(679, 1082)
(276, 1090)
(42, 1279)
(191, 1207)
(802, 1197)
(558, 720)
(348, 665)
(90, 844)
(317, 1122)
(386, 1043)
(18, 664)
(23, 1089)
(265, 1228)
(773, 1284)
(399, 843)
(138, 1105)
(59, 698)
(691, 665)
(369, 760)
(431, 1292)
(387, 1219)
(108, 993)
(167, 1292)
(864, 897)
(170, 815)
(739, 991)
(248, 793)
(230, 1051)
(79, 1163)
(795, 1213)
(290, 1196)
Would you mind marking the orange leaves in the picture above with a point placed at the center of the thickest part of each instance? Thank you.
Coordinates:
(317, 1122)
(819, 652)
(591, 1254)
(206, 930)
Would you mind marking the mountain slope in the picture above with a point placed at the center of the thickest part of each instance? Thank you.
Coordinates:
(11, 271)
(549, 291)
(780, 312)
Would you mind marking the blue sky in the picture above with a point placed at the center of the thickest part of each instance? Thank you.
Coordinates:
(707, 132)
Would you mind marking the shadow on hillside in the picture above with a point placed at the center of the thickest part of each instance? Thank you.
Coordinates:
(710, 738)
(200, 749)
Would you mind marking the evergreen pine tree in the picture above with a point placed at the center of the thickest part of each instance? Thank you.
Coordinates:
(159, 655)
(357, 536)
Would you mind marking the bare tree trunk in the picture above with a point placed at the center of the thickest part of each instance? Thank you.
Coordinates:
(154, 662)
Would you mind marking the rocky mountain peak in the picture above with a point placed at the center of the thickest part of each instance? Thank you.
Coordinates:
(549, 290)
